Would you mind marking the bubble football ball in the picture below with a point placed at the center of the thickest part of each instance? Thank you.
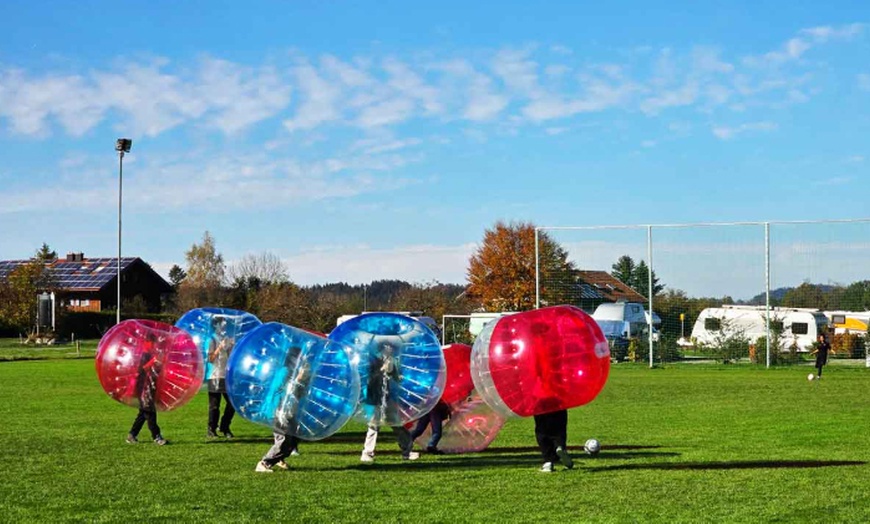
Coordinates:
(211, 326)
(293, 381)
(458, 384)
(472, 426)
(540, 361)
(810, 376)
(137, 355)
(592, 447)
(401, 366)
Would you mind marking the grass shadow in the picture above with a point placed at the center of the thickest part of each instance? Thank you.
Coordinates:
(746, 464)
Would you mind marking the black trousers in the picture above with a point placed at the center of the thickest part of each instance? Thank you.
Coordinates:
(142, 417)
(551, 431)
(214, 408)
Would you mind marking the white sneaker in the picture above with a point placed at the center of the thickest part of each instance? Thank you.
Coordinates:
(412, 455)
(366, 457)
(294, 453)
(281, 465)
(547, 467)
(263, 468)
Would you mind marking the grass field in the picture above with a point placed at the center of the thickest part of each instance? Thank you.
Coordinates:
(690, 443)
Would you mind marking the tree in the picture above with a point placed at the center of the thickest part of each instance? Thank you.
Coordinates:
(636, 276)
(18, 294)
(205, 276)
(501, 272)
(266, 268)
(45, 254)
(176, 275)
(805, 295)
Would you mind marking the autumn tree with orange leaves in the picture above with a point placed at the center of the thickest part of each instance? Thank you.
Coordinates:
(501, 272)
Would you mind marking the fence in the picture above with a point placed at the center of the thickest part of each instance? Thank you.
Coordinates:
(784, 270)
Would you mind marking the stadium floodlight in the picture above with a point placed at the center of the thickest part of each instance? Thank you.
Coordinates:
(122, 145)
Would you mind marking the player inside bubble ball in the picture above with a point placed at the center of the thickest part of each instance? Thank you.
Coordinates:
(219, 350)
(384, 367)
(286, 415)
(150, 364)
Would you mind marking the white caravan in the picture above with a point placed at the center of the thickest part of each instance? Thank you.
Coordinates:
(849, 321)
(799, 326)
(629, 314)
(478, 320)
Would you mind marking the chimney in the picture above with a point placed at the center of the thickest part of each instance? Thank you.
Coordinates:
(80, 257)
(70, 257)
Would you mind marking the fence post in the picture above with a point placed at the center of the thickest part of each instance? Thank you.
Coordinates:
(649, 291)
(767, 287)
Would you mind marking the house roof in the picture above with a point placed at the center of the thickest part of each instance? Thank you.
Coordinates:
(90, 274)
(603, 285)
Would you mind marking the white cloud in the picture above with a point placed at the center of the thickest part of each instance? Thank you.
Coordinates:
(320, 100)
(855, 159)
(727, 133)
(517, 72)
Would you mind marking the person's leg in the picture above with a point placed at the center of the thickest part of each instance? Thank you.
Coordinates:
(151, 418)
(560, 438)
(403, 438)
(437, 423)
(545, 439)
(371, 441)
(214, 406)
(294, 445)
(420, 428)
(279, 451)
(138, 422)
(227, 418)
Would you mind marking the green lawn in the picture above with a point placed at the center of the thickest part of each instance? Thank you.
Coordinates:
(687, 443)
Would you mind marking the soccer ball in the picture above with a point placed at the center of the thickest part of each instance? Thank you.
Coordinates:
(810, 376)
(592, 447)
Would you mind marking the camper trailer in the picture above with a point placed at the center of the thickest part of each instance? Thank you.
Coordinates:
(849, 321)
(630, 315)
(799, 327)
(478, 320)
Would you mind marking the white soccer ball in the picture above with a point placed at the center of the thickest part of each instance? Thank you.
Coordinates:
(810, 376)
(592, 447)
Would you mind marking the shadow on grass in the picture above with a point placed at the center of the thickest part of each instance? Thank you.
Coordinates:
(747, 464)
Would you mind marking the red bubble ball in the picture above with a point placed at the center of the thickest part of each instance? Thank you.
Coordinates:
(459, 383)
(143, 362)
(540, 361)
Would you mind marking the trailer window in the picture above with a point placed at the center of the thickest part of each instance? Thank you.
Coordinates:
(800, 328)
(712, 324)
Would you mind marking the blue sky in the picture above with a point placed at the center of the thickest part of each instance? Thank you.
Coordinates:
(360, 141)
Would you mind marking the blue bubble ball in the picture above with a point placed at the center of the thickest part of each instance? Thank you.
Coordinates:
(215, 331)
(401, 366)
(293, 381)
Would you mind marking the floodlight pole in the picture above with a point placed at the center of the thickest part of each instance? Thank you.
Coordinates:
(122, 145)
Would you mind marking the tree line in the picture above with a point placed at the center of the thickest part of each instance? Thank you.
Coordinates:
(500, 276)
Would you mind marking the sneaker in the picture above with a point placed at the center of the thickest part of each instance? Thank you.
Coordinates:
(227, 434)
(433, 450)
(160, 441)
(547, 467)
(367, 457)
(281, 465)
(210, 434)
(262, 467)
(564, 457)
(412, 455)
(295, 453)
(131, 439)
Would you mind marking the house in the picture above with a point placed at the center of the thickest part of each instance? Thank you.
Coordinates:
(598, 287)
(90, 284)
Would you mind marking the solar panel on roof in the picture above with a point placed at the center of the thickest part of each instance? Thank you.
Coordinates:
(88, 274)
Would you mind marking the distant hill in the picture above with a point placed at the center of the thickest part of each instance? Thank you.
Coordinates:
(776, 295)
